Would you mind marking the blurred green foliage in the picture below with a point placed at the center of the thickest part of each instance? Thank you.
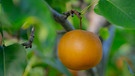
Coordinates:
(118, 12)
(12, 60)
(18, 16)
(122, 53)
(104, 33)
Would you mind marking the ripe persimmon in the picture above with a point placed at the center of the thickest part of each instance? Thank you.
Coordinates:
(80, 50)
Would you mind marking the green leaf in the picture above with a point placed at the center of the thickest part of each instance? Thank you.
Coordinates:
(122, 36)
(37, 9)
(29, 12)
(58, 5)
(55, 63)
(119, 40)
(3, 18)
(14, 13)
(12, 60)
(118, 12)
(43, 61)
(23, 12)
(37, 71)
(40, 15)
(104, 33)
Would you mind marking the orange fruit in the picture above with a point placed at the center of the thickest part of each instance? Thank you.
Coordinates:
(73, 72)
(80, 50)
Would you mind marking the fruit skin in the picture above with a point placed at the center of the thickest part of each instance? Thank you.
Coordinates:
(80, 50)
(73, 72)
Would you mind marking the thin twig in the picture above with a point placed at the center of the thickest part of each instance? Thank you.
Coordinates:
(72, 12)
(29, 43)
(78, 14)
(61, 32)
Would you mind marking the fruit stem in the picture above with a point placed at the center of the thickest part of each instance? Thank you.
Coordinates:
(72, 13)
(78, 14)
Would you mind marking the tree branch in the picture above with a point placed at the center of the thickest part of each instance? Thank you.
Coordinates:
(29, 43)
(62, 19)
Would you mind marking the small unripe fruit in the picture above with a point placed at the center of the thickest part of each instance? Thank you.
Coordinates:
(80, 50)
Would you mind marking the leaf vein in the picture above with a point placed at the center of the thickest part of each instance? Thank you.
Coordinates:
(121, 10)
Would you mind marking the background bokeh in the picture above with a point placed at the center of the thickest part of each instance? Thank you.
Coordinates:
(115, 28)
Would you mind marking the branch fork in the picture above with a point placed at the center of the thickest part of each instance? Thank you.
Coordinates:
(29, 43)
(72, 13)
